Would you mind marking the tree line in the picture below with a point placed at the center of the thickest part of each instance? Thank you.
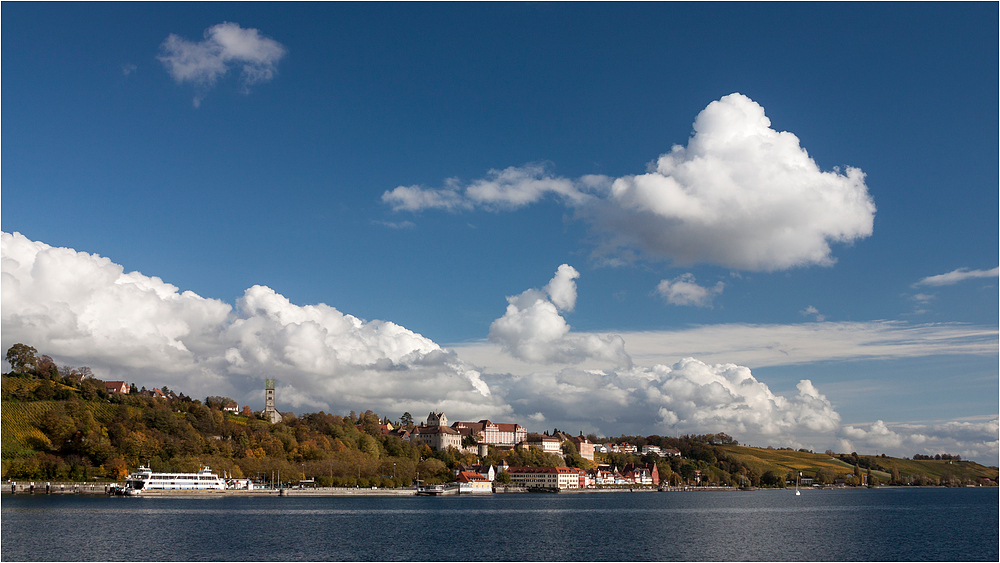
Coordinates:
(79, 431)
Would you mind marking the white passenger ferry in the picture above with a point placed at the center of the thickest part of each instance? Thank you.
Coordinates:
(145, 480)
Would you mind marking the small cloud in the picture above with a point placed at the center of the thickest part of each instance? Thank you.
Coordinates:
(683, 290)
(225, 46)
(510, 188)
(955, 276)
(810, 310)
(400, 225)
(128, 68)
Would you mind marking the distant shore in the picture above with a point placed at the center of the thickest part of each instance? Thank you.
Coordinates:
(99, 489)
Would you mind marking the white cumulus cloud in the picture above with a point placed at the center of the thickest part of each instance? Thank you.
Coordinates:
(83, 309)
(533, 330)
(740, 195)
(688, 397)
(683, 290)
(225, 46)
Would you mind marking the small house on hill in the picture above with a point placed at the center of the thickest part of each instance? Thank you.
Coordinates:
(116, 386)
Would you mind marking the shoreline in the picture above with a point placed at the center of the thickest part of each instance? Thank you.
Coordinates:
(101, 489)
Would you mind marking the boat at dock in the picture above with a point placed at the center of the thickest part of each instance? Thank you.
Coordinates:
(437, 490)
(144, 480)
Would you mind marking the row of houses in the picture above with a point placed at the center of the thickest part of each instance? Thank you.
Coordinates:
(480, 479)
(126, 389)
(626, 448)
(439, 436)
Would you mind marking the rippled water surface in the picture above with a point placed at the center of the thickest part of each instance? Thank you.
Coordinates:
(835, 525)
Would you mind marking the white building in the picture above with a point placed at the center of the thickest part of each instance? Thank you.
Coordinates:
(545, 477)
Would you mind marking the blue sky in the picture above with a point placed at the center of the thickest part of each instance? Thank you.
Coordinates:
(373, 204)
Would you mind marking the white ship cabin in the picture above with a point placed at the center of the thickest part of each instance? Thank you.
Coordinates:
(145, 479)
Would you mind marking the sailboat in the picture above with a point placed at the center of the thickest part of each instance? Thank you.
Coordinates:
(797, 493)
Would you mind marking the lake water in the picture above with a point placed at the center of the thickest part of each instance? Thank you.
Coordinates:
(830, 525)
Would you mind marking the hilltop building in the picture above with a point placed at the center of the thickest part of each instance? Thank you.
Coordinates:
(116, 387)
(499, 435)
(270, 413)
(436, 434)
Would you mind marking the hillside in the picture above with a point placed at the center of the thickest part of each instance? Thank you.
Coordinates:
(909, 471)
(67, 427)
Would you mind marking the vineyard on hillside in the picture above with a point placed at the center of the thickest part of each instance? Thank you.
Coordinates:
(20, 432)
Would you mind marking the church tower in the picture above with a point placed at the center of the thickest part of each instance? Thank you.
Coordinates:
(270, 413)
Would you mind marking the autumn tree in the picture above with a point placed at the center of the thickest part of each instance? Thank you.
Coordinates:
(21, 358)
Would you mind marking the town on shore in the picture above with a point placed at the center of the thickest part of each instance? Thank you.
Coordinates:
(62, 425)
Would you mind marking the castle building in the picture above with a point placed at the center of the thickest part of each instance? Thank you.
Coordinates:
(437, 419)
(436, 434)
(495, 434)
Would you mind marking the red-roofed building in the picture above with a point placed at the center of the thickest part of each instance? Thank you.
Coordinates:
(116, 386)
(492, 433)
(470, 482)
(640, 474)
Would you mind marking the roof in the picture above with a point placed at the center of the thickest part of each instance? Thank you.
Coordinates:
(469, 476)
(434, 430)
(483, 424)
(542, 439)
(562, 470)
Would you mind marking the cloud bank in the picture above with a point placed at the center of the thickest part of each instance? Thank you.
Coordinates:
(739, 195)
(971, 440)
(689, 396)
(225, 46)
(83, 309)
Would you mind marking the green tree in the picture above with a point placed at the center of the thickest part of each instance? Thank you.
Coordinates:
(370, 423)
(368, 445)
(21, 358)
(406, 420)
(572, 456)
(771, 479)
(433, 471)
